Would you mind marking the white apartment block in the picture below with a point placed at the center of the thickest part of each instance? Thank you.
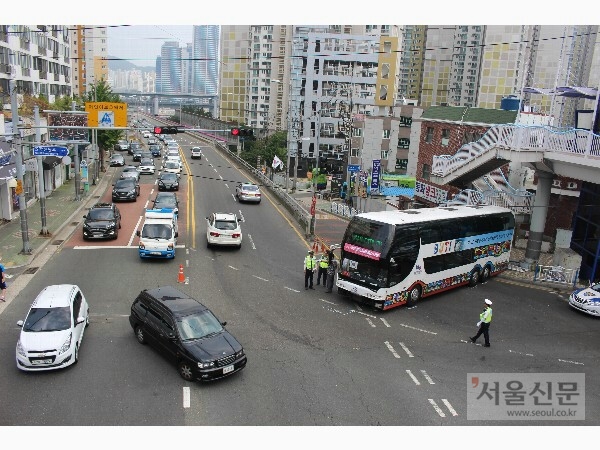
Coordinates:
(38, 57)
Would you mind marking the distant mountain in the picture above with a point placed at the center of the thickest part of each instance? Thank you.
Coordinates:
(115, 63)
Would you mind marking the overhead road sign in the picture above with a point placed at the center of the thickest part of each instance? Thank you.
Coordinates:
(353, 168)
(50, 150)
(106, 114)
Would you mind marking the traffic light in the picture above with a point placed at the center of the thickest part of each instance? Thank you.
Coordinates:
(166, 130)
(235, 131)
(242, 132)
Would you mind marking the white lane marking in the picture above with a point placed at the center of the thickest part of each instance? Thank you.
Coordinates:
(146, 204)
(450, 408)
(520, 353)
(137, 225)
(234, 268)
(405, 348)
(358, 307)
(187, 263)
(220, 177)
(234, 199)
(391, 349)
(327, 301)
(572, 362)
(263, 279)
(385, 323)
(436, 407)
(214, 169)
(242, 216)
(289, 288)
(410, 374)
(93, 247)
(186, 397)
(252, 242)
(368, 315)
(418, 329)
(227, 185)
(427, 377)
(370, 322)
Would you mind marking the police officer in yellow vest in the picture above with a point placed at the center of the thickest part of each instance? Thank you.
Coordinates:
(323, 265)
(484, 323)
(310, 264)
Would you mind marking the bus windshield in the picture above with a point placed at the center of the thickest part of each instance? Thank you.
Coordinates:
(366, 244)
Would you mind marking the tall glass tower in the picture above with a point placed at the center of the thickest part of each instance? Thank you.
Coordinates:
(205, 51)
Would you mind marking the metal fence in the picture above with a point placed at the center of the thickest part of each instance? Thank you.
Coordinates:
(556, 274)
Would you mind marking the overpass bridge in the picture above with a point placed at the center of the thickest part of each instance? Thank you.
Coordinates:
(573, 153)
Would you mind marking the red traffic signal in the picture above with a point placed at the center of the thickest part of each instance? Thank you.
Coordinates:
(235, 131)
(242, 132)
(166, 130)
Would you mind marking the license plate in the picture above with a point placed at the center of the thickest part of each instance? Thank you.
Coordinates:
(227, 369)
(41, 361)
(155, 253)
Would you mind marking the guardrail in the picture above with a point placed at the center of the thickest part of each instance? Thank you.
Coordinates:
(556, 274)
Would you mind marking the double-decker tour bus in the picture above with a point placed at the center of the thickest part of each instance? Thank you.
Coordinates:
(392, 258)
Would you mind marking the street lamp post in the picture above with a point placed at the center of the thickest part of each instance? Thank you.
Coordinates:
(19, 163)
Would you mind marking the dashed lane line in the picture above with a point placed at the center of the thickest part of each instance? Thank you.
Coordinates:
(370, 322)
(391, 349)
(418, 329)
(436, 407)
(405, 348)
(572, 362)
(186, 397)
(385, 322)
(427, 377)
(449, 406)
(260, 278)
(410, 374)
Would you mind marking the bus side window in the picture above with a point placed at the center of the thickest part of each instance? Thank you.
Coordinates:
(403, 254)
(430, 233)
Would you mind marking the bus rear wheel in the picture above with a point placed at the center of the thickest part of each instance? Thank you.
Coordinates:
(474, 278)
(414, 295)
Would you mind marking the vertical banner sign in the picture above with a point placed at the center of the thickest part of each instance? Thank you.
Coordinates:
(375, 176)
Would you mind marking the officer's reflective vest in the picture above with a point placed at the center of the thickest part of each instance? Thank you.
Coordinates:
(323, 264)
(486, 315)
(309, 262)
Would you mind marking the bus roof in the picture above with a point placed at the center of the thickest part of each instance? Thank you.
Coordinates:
(398, 217)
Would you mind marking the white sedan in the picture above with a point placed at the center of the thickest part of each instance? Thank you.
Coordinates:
(172, 166)
(53, 329)
(586, 300)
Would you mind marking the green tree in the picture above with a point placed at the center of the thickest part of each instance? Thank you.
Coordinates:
(102, 92)
(266, 148)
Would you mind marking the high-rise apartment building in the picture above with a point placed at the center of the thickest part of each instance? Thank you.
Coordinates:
(234, 73)
(205, 63)
(171, 68)
(89, 50)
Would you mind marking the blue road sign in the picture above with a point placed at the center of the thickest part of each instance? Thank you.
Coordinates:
(50, 150)
(353, 167)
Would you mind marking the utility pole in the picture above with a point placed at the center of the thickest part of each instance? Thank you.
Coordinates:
(76, 163)
(38, 138)
(19, 162)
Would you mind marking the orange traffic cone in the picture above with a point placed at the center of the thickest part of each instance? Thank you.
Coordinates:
(181, 276)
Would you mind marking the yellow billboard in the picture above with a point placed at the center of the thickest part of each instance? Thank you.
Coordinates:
(106, 114)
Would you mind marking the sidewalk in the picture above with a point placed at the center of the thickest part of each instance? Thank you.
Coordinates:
(61, 209)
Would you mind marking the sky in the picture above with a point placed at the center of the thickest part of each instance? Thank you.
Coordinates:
(140, 44)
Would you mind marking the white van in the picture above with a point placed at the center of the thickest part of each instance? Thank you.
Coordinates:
(158, 236)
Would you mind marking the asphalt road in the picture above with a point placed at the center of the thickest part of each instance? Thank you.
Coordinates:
(313, 358)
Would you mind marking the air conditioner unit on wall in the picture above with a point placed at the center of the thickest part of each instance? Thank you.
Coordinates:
(571, 185)
(556, 183)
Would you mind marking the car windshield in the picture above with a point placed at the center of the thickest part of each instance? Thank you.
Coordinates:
(225, 224)
(125, 184)
(100, 214)
(168, 177)
(48, 319)
(250, 188)
(147, 162)
(156, 231)
(165, 202)
(198, 326)
(172, 165)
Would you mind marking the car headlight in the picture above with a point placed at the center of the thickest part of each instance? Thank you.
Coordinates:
(66, 346)
(206, 365)
(86, 226)
(131, 192)
(20, 349)
(239, 354)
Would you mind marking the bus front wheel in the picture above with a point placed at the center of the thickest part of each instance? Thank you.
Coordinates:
(485, 275)
(414, 295)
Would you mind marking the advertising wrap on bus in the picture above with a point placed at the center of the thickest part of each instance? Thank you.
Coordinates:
(391, 258)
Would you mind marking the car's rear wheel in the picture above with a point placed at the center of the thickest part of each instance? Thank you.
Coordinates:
(139, 334)
(186, 371)
(76, 354)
